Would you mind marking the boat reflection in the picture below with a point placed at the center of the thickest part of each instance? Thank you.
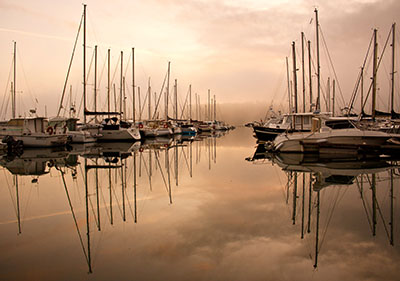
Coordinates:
(311, 177)
(113, 176)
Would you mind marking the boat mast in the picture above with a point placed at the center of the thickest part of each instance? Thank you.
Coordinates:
(14, 92)
(362, 91)
(108, 83)
(176, 98)
(302, 71)
(18, 209)
(140, 107)
(124, 97)
(318, 105)
(134, 183)
(209, 106)
(294, 198)
(215, 109)
(333, 96)
(149, 98)
(393, 60)
(294, 76)
(84, 63)
(309, 72)
(190, 102)
(87, 218)
(288, 81)
(317, 230)
(391, 206)
(374, 70)
(133, 86)
(95, 79)
(120, 86)
(167, 92)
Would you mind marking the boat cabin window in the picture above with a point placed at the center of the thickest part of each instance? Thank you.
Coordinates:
(339, 124)
(16, 122)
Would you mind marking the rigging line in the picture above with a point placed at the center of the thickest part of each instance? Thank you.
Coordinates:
(352, 99)
(115, 70)
(90, 68)
(102, 69)
(159, 98)
(104, 201)
(129, 203)
(377, 67)
(363, 201)
(144, 103)
(184, 155)
(145, 166)
(162, 174)
(127, 65)
(6, 90)
(383, 219)
(335, 203)
(116, 199)
(26, 79)
(184, 105)
(9, 190)
(73, 213)
(69, 67)
(94, 213)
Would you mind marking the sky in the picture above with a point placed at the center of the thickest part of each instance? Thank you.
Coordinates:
(236, 48)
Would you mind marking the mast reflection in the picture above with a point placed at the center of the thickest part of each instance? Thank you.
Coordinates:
(112, 175)
(328, 178)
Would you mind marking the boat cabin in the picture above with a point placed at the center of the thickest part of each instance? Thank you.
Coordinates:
(26, 125)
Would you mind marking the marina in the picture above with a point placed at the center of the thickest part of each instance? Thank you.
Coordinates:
(199, 140)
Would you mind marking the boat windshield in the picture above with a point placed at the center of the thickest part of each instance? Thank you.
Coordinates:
(339, 124)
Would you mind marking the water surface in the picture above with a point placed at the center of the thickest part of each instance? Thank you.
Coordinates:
(196, 210)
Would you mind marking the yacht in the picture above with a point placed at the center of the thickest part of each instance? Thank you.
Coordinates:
(345, 138)
(32, 132)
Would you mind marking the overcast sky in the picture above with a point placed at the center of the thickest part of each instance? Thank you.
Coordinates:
(236, 48)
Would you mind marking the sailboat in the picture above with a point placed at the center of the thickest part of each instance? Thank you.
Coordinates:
(110, 128)
(30, 131)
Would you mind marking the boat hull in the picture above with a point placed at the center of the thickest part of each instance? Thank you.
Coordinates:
(333, 142)
(129, 134)
(40, 140)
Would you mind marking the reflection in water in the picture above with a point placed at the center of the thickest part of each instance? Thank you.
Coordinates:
(310, 175)
(156, 211)
(110, 174)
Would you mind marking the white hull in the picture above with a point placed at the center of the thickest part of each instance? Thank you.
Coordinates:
(40, 140)
(158, 132)
(81, 137)
(129, 134)
(330, 141)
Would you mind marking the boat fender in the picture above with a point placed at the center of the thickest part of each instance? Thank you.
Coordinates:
(165, 126)
(50, 130)
(140, 126)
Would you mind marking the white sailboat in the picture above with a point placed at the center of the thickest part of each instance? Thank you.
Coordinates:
(31, 131)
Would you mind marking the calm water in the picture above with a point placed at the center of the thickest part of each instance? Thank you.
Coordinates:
(206, 214)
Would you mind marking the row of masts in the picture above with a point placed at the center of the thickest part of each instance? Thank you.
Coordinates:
(293, 89)
(292, 83)
(210, 111)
